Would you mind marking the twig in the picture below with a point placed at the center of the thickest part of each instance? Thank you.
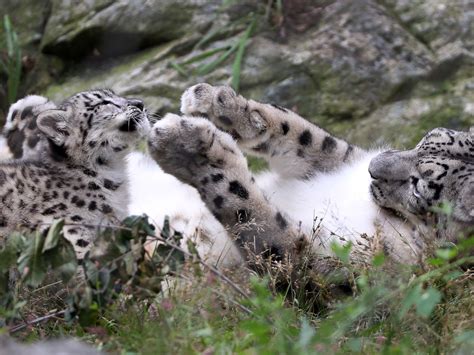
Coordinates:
(218, 293)
(167, 243)
(203, 263)
(36, 321)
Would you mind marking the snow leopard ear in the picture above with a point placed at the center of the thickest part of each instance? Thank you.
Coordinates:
(53, 123)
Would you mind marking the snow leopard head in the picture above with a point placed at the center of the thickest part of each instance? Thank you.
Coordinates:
(431, 185)
(91, 127)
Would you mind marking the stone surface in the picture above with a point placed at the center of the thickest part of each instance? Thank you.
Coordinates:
(375, 71)
(75, 28)
(28, 17)
(437, 23)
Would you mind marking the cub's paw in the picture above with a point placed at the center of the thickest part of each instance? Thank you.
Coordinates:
(189, 148)
(227, 110)
(208, 101)
(197, 100)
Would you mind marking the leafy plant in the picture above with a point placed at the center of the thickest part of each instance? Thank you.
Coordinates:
(10, 63)
(121, 306)
(237, 49)
(118, 260)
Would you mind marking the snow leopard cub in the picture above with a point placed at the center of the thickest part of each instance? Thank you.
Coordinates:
(318, 184)
(74, 166)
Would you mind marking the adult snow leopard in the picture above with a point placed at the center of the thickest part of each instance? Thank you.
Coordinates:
(73, 164)
(320, 188)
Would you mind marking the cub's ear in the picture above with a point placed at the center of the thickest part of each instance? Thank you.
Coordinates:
(53, 123)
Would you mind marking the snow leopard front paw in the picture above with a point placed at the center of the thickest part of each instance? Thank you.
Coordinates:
(227, 110)
(191, 148)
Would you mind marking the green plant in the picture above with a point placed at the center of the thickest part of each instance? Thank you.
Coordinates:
(121, 306)
(10, 63)
(118, 259)
(237, 49)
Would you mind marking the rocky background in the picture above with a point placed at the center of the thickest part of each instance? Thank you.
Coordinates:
(372, 71)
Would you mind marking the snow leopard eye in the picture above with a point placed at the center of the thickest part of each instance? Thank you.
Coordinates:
(416, 193)
(414, 182)
(108, 102)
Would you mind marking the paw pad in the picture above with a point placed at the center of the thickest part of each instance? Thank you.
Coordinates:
(197, 99)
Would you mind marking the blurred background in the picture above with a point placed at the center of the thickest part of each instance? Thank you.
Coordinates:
(371, 71)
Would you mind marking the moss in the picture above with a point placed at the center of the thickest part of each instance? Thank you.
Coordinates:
(90, 78)
(256, 164)
(447, 116)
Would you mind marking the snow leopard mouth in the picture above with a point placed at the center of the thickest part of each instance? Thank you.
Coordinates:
(132, 124)
(129, 126)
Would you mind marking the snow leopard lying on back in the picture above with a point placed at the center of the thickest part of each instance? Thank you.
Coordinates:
(320, 188)
(73, 163)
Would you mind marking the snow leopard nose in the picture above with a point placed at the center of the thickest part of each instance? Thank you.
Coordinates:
(137, 103)
(391, 165)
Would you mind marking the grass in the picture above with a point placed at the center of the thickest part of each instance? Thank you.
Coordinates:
(194, 318)
(387, 308)
(207, 61)
(10, 63)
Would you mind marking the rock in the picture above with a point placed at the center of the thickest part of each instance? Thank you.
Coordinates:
(76, 28)
(358, 57)
(147, 75)
(28, 19)
(404, 123)
(437, 23)
(363, 68)
(49, 347)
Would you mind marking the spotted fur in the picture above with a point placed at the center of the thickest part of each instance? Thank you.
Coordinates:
(439, 171)
(320, 185)
(76, 167)
(292, 146)
(202, 159)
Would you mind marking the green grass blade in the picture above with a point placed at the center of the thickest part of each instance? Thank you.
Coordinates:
(204, 55)
(237, 65)
(8, 35)
(210, 35)
(13, 65)
(207, 68)
(213, 33)
(179, 68)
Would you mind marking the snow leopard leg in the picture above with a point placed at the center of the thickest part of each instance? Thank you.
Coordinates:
(22, 138)
(199, 154)
(292, 146)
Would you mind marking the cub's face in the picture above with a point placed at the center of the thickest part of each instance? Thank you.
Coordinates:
(94, 126)
(415, 183)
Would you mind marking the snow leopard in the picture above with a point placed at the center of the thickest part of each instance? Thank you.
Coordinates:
(320, 189)
(69, 162)
(150, 190)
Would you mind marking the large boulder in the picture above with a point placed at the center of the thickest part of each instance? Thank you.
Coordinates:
(437, 23)
(404, 122)
(28, 18)
(370, 70)
(111, 27)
